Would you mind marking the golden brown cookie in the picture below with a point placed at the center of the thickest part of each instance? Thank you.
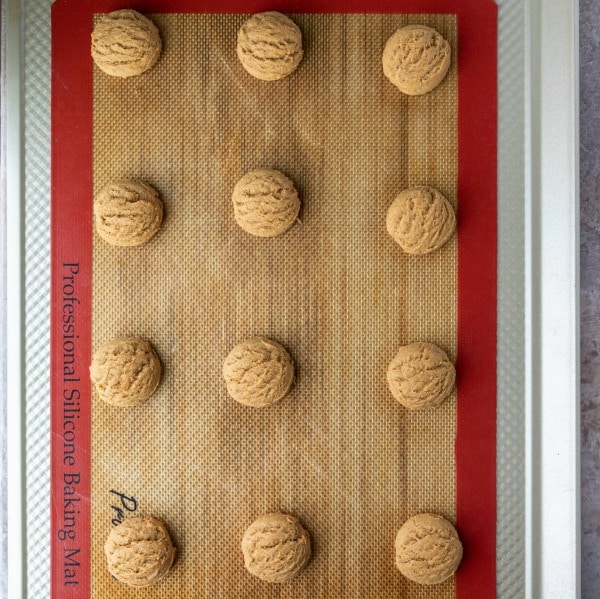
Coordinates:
(127, 213)
(258, 372)
(416, 59)
(276, 547)
(265, 203)
(125, 43)
(125, 371)
(428, 550)
(420, 220)
(139, 551)
(269, 46)
(421, 376)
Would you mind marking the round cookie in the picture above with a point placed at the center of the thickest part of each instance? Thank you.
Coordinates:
(416, 59)
(265, 203)
(420, 220)
(125, 371)
(269, 46)
(428, 550)
(421, 376)
(125, 43)
(127, 213)
(258, 372)
(139, 551)
(276, 547)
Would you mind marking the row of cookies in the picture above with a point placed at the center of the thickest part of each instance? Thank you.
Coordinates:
(266, 204)
(276, 548)
(259, 372)
(415, 58)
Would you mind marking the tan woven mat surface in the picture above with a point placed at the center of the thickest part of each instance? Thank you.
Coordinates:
(339, 452)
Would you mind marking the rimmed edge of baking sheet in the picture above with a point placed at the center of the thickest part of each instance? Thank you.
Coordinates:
(552, 299)
(520, 489)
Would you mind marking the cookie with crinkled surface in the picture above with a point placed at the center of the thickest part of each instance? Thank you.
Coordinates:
(139, 551)
(428, 549)
(276, 547)
(258, 372)
(128, 213)
(125, 43)
(416, 59)
(421, 376)
(265, 203)
(125, 371)
(420, 220)
(270, 46)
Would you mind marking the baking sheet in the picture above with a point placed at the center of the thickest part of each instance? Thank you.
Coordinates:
(514, 557)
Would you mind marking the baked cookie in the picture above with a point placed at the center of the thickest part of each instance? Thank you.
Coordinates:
(421, 376)
(125, 371)
(139, 551)
(269, 46)
(428, 550)
(125, 43)
(416, 59)
(258, 372)
(420, 220)
(128, 213)
(265, 203)
(276, 547)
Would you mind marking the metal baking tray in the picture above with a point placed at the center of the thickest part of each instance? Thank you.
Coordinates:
(538, 400)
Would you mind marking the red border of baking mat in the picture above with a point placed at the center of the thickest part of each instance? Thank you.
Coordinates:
(71, 293)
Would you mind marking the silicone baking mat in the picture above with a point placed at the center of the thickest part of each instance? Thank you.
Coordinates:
(339, 452)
